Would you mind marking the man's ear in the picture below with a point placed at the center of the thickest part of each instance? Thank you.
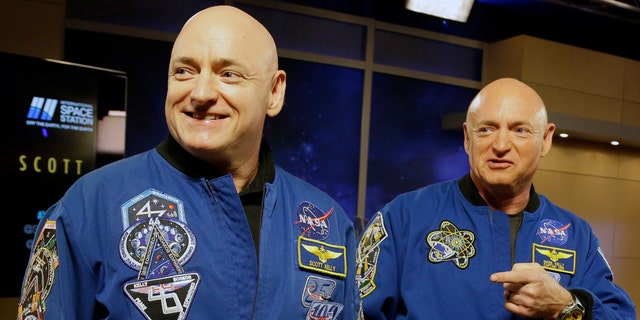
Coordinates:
(278, 88)
(466, 137)
(547, 139)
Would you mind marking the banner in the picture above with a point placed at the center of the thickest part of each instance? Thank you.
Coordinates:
(49, 130)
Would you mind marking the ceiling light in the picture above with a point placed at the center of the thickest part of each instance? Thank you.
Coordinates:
(615, 143)
(457, 10)
(563, 135)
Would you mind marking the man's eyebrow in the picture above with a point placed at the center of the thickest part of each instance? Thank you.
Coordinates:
(217, 62)
(225, 62)
(184, 60)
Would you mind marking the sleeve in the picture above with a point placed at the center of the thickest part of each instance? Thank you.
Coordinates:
(601, 297)
(377, 270)
(55, 285)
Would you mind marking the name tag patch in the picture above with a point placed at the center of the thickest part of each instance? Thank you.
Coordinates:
(555, 259)
(322, 257)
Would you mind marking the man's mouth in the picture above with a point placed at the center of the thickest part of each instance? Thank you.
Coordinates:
(201, 116)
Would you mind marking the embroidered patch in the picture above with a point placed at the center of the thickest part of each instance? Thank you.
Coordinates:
(325, 310)
(367, 255)
(159, 259)
(40, 274)
(164, 298)
(322, 257)
(313, 222)
(151, 204)
(451, 244)
(157, 242)
(317, 289)
(136, 240)
(555, 259)
(553, 232)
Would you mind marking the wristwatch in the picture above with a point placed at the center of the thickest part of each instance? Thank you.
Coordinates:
(573, 311)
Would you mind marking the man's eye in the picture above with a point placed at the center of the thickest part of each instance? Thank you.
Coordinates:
(182, 73)
(230, 74)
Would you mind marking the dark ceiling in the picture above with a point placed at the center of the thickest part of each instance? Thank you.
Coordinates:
(625, 11)
(610, 26)
(603, 25)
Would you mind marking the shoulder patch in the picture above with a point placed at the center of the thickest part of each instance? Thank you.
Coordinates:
(40, 274)
(368, 253)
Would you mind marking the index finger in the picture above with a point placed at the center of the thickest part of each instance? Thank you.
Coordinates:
(504, 277)
(517, 274)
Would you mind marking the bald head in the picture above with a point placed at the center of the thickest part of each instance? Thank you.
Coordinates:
(509, 93)
(233, 32)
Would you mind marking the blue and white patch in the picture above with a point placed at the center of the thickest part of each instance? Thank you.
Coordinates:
(164, 298)
(322, 257)
(151, 204)
(159, 260)
(178, 240)
(324, 311)
(555, 259)
(553, 232)
(157, 242)
(313, 222)
(317, 289)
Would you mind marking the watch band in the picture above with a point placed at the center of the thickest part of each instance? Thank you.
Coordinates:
(573, 311)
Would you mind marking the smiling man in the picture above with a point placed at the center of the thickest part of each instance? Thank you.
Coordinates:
(205, 225)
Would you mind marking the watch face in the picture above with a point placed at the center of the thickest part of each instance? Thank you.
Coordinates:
(574, 315)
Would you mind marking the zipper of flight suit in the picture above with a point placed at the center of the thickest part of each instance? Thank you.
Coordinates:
(513, 316)
(255, 296)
